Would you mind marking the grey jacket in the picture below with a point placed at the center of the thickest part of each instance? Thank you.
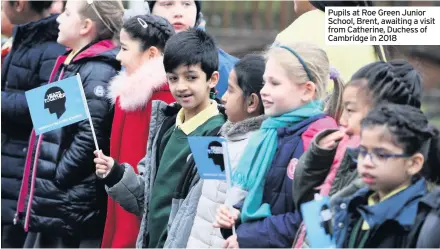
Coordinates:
(132, 191)
(191, 219)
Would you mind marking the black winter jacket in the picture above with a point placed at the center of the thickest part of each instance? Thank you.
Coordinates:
(68, 198)
(27, 66)
(426, 232)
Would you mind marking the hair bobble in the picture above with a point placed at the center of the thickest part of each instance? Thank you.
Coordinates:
(334, 73)
(142, 22)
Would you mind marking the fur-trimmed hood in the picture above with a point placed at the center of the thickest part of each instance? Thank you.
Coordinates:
(135, 90)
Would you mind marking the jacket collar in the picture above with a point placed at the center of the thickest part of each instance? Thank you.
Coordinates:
(240, 130)
(42, 30)
(135, 90)
(401, 207)
(299, 127)
(432, 199)
(105, 50)
(104, 47)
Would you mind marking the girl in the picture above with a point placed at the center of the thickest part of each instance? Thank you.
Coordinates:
(142, 41)
(186, 14)
(25, 67)
(244, 109)
(394, 158)
(375, 83)
(68, 204)
(295, 81)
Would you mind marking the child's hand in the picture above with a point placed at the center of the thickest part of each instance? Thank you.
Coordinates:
(224, 219)
(103, 163)
(331, 140)
(231, 242)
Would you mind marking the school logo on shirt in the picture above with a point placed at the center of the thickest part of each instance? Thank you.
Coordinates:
(291, 168)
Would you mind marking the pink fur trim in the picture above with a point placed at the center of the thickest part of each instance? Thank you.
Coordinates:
(135, 90)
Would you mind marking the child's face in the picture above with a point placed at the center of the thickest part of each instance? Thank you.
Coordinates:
(71, 24)
(189, 87)
(385, 169)
(280, 94)
(181, 14)
(234, 100)
(130, 55)
(355, 109)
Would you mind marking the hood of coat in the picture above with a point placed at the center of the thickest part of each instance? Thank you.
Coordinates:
(240, 130)
(136, 89)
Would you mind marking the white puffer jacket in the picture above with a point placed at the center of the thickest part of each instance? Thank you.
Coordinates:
(203, 234)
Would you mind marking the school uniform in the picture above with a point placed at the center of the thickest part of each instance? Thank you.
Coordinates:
(363, 222)
(149, 194)
(279, 229)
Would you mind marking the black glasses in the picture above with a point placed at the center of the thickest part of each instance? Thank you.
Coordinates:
(378, 158)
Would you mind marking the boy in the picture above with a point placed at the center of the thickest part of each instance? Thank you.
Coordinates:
(26, 66)
(184, 14)
(190, 60)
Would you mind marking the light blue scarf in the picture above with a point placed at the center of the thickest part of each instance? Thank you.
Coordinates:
(258, 155)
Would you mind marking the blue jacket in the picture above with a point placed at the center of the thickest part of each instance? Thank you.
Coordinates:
(391, 221)
(27, 66)
(279, 230)
(226, 64)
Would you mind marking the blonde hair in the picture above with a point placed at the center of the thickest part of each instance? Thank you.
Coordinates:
(107, 15)
(316, 69)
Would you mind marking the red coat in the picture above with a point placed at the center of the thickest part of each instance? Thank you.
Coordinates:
(132, 96)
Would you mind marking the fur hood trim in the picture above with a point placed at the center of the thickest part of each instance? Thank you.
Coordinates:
(134, 91)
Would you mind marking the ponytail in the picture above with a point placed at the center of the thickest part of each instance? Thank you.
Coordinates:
(433, 160)
(107, 15)
(334, 106)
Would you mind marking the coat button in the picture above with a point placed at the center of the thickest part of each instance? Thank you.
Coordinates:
(24, 149)
(343, 206)
(341, 225)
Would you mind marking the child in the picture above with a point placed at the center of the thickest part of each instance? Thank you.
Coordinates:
(25, 67)
(244, 108)
(68, 204)
(190, 61)
(295, 81)
(184, 14)
(393, 161)
(375, 83)
(142, 41)
(378, 82)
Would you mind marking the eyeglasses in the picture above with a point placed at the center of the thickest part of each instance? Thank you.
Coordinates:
(377, 158)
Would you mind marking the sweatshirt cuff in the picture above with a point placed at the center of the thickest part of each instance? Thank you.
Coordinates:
(319, 151)
(115, 175)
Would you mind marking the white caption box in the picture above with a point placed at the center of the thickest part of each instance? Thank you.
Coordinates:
(382, 25)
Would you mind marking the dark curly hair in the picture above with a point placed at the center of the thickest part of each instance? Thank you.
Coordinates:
(156, 32)
(410, 128)
(393, 82)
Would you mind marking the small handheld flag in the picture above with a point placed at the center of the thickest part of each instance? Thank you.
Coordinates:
(212, 159)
